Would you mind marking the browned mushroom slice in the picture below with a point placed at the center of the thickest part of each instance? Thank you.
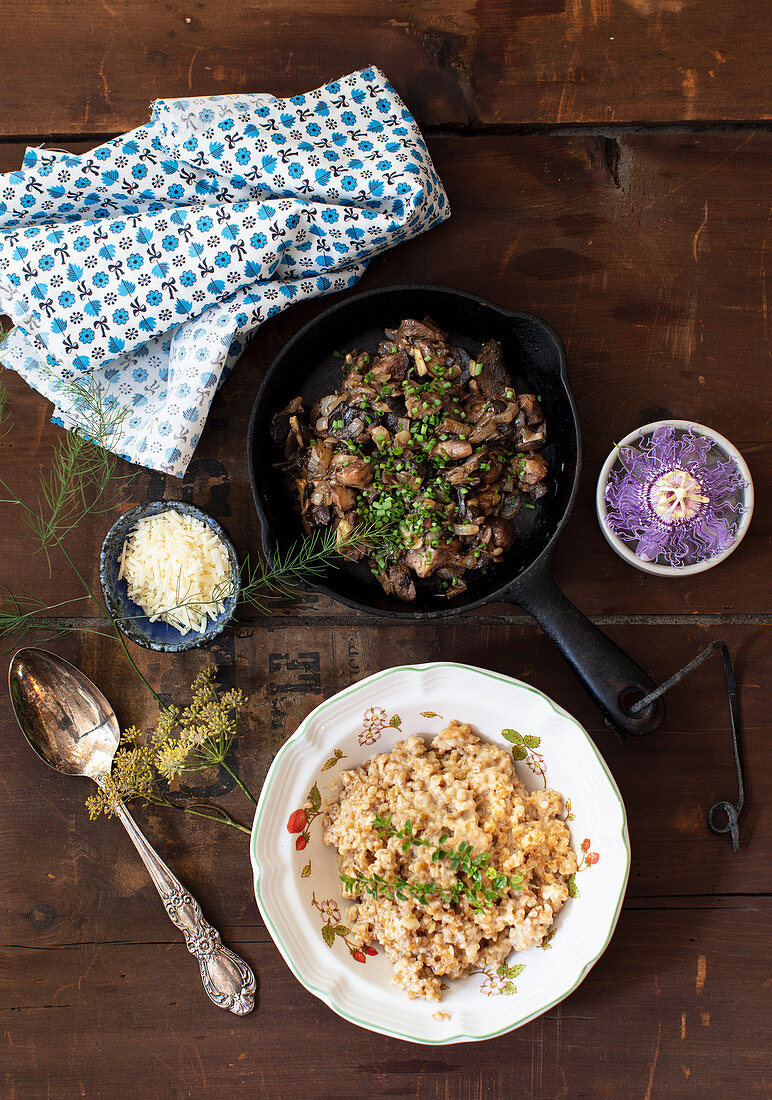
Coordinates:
(488, 477)
(459, 474)
(493, 379)
(533, 470)
(529, 403)
(511, 505)
(487, 500)
(502, 533)
(529, 440)
(352, 471)
(290, 421)
(393, 366)
(426, 559)
(320, 515)
(342, 497)
(396, 581)
(293, 406)
(453, 448)
(421, 405)
(410, 330)
(297, 431)
(456, 586)
(345, 421)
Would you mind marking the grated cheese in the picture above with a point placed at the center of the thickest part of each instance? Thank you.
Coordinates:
(177, 569)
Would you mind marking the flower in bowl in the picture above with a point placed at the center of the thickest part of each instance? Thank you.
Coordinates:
(674, 498)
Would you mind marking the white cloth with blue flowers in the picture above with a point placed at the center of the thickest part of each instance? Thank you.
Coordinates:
(149, 261)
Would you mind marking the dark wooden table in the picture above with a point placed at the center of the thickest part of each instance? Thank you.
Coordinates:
(608, 167)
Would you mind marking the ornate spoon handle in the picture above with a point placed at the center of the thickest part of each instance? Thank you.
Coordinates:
(227, 979)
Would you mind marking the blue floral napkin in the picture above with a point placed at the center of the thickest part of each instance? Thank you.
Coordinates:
(148, 262)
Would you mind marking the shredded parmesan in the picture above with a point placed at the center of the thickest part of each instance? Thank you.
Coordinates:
(177, 569)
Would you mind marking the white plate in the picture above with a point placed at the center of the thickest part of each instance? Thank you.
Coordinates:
(298, 891)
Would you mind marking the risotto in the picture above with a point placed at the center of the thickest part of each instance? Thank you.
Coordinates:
(451, 864)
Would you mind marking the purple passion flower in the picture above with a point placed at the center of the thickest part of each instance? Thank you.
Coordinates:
(675, 496)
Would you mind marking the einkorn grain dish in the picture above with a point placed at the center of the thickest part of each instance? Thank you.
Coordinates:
(458, 790)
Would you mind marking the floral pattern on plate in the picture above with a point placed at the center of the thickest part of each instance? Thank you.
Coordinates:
(289, 882)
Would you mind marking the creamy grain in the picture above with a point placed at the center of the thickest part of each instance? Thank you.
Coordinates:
(469, 789)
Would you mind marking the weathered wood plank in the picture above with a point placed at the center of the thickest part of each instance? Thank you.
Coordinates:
(652, 269)
(98, 66)
(81, 881)
(675, 992)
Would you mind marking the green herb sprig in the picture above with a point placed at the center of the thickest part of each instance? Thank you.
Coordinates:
(309, 559)
(478, 882)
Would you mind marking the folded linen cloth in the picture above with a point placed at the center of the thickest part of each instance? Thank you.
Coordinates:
(148, 262)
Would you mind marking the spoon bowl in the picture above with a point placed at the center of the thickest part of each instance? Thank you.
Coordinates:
(65, 718)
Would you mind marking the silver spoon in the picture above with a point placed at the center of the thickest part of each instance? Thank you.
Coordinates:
(72, 727)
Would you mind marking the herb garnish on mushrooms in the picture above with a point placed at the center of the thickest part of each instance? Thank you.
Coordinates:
(424, 443)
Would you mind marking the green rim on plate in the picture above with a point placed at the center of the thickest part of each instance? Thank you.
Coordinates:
(300, 733)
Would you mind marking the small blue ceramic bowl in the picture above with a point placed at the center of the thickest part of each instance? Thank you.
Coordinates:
(130, 617)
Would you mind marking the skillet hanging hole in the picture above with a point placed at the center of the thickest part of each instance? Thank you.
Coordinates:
(630, 700)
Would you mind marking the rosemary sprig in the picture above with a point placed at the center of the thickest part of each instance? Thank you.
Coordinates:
(310, 558)
(263, 582)
(478, 882)
(20, 618)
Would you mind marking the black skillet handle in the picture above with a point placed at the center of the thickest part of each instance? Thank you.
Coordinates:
(607, 673)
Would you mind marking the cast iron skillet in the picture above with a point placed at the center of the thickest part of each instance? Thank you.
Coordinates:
(537, 361)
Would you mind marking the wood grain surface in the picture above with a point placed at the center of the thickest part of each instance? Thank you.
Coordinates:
(608, 166)
(99, 63)
(632, 250)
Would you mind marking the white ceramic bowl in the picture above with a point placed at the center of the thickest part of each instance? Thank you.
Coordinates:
(623, 549)
(296, 880)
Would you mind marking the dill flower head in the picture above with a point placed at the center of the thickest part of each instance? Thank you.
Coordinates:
(132, 776)
(171, 757)
(198, 736)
